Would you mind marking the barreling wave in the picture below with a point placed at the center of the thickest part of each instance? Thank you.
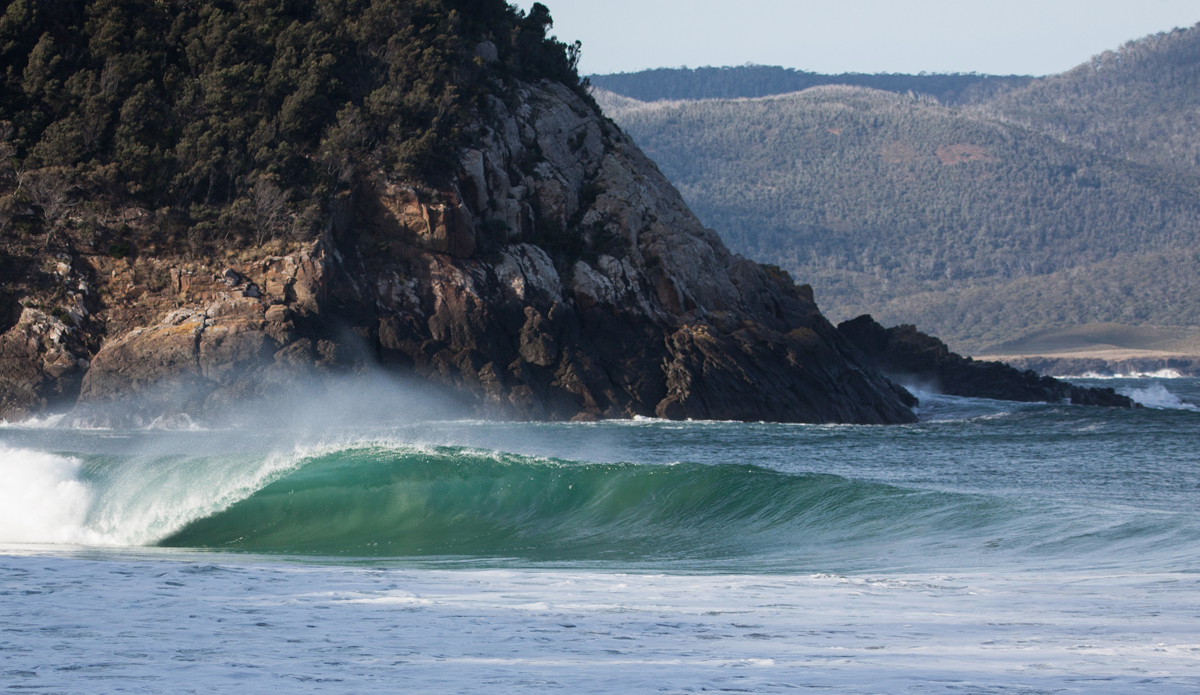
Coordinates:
(453, 501)
(385, 500)
(464, 502)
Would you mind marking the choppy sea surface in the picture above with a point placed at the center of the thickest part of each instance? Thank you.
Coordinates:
(990, 548)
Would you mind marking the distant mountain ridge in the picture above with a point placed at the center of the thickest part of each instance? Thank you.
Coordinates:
(750, 81)
(1065, 200)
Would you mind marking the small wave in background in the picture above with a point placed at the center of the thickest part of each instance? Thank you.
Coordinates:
(1158, 374)
(1158, 396)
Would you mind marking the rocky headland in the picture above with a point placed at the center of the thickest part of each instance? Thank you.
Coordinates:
(546, 269)
(919, 360)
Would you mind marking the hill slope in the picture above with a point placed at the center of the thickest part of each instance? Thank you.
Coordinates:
(978, 223)
(973, 229)
(1140, 102)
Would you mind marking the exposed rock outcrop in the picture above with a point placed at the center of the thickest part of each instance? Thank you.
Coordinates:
(560, 275)
(909, 356)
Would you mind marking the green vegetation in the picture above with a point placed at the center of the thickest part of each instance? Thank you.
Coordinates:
(980, 223)
(241, 120)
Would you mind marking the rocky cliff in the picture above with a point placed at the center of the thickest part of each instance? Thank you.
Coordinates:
(558, 275)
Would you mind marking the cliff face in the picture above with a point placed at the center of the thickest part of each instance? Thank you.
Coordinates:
(559, 275)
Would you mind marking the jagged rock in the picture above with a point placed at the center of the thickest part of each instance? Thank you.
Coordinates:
(907, 355)
(754, 370)
(446, 227)
(42, 362)
(537, 346)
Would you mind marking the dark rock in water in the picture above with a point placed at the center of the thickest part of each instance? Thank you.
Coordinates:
(907, 355)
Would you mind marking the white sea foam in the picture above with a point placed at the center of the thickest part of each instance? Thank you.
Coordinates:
(1157, 396)
(1160, 374)
(42, 499)
(36, 422)
(46, 498)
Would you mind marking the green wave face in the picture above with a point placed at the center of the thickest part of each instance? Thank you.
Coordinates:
(463, 502)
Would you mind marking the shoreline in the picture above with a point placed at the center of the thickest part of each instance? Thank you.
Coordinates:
(1111, 361)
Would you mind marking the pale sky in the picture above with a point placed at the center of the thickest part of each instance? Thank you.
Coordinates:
(1034, 37)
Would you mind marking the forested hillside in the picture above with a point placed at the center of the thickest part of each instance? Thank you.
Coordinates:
(748, 81)
(1140, 102)
(979, 223)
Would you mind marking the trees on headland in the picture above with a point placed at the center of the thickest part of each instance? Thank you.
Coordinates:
(204, 110)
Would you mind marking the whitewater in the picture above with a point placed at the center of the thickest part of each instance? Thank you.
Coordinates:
(989, 548)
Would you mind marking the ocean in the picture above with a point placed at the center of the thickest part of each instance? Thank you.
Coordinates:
(991, 547)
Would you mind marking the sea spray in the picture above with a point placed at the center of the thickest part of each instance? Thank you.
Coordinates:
(122, 500)
(42, 499)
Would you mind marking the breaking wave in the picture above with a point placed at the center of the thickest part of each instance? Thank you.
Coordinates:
(408, 501)
(1157, 396)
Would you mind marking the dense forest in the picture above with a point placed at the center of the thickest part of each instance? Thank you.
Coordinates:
(978, 222)
(237, 121)
(749, 81)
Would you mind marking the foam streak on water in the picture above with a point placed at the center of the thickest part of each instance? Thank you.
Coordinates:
(144, 625)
